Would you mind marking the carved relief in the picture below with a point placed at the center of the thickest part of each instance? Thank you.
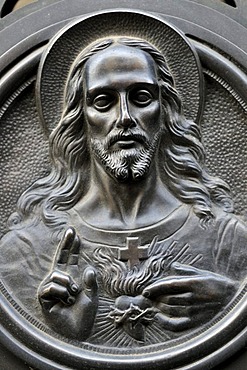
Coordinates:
(128, 241)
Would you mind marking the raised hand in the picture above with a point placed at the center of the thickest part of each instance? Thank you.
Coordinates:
(189, 296)
(69, 298)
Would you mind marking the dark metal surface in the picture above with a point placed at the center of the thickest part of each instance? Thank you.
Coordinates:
(217, 31)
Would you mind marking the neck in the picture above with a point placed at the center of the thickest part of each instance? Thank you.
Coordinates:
(130, 204)
(124, 197)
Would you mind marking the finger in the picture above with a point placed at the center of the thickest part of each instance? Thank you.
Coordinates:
(64, 279)
(185, 311)
(64, 247)
(173, 324)
(198, 295)
(74, 252)
(56, 292)
(182, 269)
(178, 299)
(170, 285)
(183, 323)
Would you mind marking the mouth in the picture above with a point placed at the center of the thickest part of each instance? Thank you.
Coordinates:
(127, 141)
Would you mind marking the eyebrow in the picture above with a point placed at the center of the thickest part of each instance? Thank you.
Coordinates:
(97, 89)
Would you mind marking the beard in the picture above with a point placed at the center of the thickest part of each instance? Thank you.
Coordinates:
(130, 163)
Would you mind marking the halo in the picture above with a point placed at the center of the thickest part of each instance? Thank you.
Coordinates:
(63, 49)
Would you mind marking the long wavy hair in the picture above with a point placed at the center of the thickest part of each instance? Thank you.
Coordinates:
(181, 153)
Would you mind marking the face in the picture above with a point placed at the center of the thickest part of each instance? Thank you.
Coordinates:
(122, 110)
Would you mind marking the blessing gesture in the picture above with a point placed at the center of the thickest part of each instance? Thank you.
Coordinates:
(69, 298)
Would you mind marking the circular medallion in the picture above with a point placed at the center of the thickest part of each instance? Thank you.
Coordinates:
(123, 248)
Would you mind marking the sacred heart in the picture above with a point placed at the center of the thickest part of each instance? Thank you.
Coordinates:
(133, 314)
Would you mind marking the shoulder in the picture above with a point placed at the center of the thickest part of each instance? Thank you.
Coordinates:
(225, 230)
(26, 240)
(230, 248)
(26, 256)
(229, 224)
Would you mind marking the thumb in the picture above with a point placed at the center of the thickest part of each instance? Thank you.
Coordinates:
(90, 281)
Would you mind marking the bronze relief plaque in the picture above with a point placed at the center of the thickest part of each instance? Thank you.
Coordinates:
(124, 191)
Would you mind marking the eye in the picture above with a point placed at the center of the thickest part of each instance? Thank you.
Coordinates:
(141, 98)
(103, 102)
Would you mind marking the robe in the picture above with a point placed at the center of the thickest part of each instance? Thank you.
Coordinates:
(27, 251)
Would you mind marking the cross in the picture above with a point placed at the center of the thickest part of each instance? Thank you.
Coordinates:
(133, 252)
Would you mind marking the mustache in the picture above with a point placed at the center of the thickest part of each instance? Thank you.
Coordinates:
(135, 135)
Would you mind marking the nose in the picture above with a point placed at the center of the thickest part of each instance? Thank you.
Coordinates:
(125, 119)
